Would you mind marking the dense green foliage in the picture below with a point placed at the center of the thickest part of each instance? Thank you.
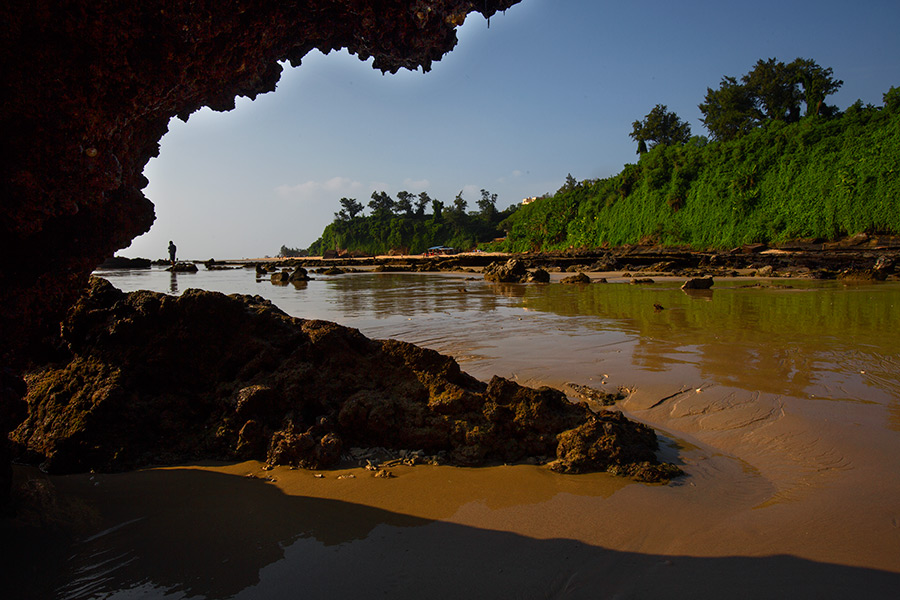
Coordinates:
(771, 91)
(404, 225)
(817, 177)
(659, 127)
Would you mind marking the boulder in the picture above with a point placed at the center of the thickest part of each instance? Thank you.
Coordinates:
(538, 276)
(698, 283)
(511, 271)
(299, 274)
(148, 378)
(580, 278)
(183, 267)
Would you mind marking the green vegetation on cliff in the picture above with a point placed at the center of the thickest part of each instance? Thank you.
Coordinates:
(817, 177)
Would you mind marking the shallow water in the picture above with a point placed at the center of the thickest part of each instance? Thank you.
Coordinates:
(815, 339)
(782, 404)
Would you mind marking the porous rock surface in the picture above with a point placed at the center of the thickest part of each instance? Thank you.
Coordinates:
(88, 90)
(146, 378)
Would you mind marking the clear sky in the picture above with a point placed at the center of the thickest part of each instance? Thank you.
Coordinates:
(549, 88)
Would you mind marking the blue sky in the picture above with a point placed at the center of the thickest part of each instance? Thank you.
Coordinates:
(551, 87)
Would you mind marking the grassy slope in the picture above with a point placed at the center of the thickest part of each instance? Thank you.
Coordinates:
(816, 178)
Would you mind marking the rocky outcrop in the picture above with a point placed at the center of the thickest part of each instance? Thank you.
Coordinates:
(298, 275)
(121, 262)
(698, 283)
(538, 276)
(510, 271)
(513, 271)
(155, 379)
(89, 88)
(580, 278)
(183, 267)
(880, 271)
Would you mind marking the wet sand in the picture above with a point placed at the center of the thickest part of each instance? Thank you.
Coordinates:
(791, 490)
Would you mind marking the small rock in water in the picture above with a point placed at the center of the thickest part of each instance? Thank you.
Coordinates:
(594, 395)
(698, 283)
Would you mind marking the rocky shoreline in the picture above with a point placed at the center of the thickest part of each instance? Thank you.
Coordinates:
(861, 257)
(84, 408)
(146, 379)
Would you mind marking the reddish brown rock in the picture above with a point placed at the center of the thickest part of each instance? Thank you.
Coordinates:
(148, 378)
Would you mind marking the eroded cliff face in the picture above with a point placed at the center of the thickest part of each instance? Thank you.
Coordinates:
(89, 88)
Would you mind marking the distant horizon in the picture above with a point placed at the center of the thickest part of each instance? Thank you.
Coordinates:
(547, 90)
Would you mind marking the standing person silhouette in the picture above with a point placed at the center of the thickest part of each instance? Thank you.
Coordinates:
(172, 253)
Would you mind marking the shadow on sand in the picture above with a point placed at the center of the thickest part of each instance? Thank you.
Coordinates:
(199, 534)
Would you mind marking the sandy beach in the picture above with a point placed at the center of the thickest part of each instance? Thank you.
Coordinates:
(790, 489)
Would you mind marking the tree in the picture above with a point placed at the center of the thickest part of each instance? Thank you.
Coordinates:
(459, 203)
(729, 111)
(891, 99)
(817, 84)
(571, 182)
(773, 86)
(487, 205)
(437, 209)
(404, 202)
(423, 201)
(770, 91)
(351, 207)
(381, 204)
(659, 127)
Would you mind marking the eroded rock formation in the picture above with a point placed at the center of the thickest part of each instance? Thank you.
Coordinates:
(145, 378)
(89, 88)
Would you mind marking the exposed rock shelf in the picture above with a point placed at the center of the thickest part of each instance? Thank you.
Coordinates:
(145, 378)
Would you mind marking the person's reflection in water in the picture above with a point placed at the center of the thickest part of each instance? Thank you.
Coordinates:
(173, 283)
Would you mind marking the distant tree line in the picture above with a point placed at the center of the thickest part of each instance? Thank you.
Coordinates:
(291, 252)
(411, 223)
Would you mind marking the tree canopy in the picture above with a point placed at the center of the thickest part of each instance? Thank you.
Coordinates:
(660, 127)
(404, 224)
(771, 91)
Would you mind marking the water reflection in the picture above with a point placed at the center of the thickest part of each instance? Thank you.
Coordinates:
(781, 341)
(401, 294)
(807, 339)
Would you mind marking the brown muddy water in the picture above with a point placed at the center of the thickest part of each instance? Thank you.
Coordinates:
(779, 398)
